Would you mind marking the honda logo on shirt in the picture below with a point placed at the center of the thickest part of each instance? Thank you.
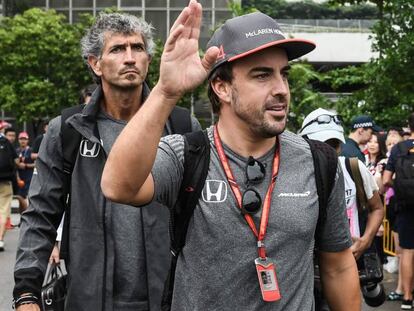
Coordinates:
(89, 149)
(214, 191)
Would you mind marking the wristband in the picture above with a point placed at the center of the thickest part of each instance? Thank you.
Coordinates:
(24, 300)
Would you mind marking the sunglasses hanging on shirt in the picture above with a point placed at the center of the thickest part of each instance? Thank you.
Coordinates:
(255, 173)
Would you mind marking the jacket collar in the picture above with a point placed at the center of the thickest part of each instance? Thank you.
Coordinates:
(85, 121)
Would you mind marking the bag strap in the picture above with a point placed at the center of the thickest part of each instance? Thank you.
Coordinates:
(196, 164)
(325, 161)
(70, 139)
(180, 120)
(359, 184)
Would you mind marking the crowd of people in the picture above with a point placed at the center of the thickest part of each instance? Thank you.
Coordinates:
(119, 170)
(17, 170)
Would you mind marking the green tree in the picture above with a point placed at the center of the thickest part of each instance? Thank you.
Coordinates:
(387, 91)
(41, 70)
(304, 98)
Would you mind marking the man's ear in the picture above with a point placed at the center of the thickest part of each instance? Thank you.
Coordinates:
(95, 65)
(222, 90)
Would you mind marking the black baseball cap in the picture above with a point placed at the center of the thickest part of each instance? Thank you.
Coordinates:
(364, 121)
(244, 35)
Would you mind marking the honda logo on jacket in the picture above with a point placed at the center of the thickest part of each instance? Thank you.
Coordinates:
(89, 149)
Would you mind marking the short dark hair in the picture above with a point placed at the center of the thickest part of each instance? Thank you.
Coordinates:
(411, 122)
(9, 129)
(224, 73)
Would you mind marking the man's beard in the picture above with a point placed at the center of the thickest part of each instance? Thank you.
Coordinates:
(255, 118)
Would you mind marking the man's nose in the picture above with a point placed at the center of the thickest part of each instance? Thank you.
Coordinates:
(280, 86)
(129, 56)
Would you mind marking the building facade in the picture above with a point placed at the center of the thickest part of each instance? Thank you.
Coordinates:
(160, 13)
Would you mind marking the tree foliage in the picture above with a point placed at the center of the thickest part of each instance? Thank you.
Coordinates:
(41, 70)
(304, 98)
(281, 9)
(388, 81)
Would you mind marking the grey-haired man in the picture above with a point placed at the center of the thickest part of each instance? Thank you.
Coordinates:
(118, 257)
(258, 210)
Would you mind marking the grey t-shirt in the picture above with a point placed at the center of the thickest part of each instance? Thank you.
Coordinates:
(216, 269)
(130, 275)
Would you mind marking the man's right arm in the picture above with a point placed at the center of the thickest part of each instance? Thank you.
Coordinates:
(39, 222)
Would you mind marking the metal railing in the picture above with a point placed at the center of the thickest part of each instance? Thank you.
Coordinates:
(326, 25)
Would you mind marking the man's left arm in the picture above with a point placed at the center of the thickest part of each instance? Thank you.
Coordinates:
(340, 281)
(375, 213)
(337, 265)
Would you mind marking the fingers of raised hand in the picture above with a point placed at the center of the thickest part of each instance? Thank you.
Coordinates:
(210, 58)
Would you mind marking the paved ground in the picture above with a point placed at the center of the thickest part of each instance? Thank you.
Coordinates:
(7, 259)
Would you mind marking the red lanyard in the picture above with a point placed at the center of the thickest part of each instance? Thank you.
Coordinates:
(236, 191)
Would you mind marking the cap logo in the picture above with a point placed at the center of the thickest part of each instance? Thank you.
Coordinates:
(263, 31)
(221, 54)
(366, 124)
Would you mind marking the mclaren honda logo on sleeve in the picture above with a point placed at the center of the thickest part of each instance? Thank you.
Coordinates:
(89, 149)
(214, 191)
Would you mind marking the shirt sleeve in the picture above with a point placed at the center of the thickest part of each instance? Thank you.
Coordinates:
(368, 180)
(40, 221)
(335, 234)
(168, 169)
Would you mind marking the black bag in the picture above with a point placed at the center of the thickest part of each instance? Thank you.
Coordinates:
(404, 175)
(54, 291)
(6, 159)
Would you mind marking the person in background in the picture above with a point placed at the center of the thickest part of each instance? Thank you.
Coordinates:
(26, 164)
(11, 135)
(325, 126)
(8, 162)
(376, 152)
(86, 93)
(362, 128)
(392, 216)
(394, 130)
(405, 216)
(17, 182)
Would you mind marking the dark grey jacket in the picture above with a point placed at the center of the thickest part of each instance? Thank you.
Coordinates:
(91, 248)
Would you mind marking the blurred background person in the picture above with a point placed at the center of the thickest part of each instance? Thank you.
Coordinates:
(400, 173)
(26, 164)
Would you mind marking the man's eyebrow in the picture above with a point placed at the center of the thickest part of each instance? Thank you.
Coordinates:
(261, 69)
(286, 68)
(268, 69)
(117, 45)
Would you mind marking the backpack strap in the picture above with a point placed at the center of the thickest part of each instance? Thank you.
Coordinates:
(70, 139)
(325, 161)
(196, 164)
(180, 120)
(362, 199)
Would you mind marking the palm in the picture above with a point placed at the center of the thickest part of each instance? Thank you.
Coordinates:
(181, 68)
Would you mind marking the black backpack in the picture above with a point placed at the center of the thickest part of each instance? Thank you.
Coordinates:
(179, 120)
(196, 164)
(7, 165)
(404, 175)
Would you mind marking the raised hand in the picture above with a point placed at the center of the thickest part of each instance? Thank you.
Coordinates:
(181, 68)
